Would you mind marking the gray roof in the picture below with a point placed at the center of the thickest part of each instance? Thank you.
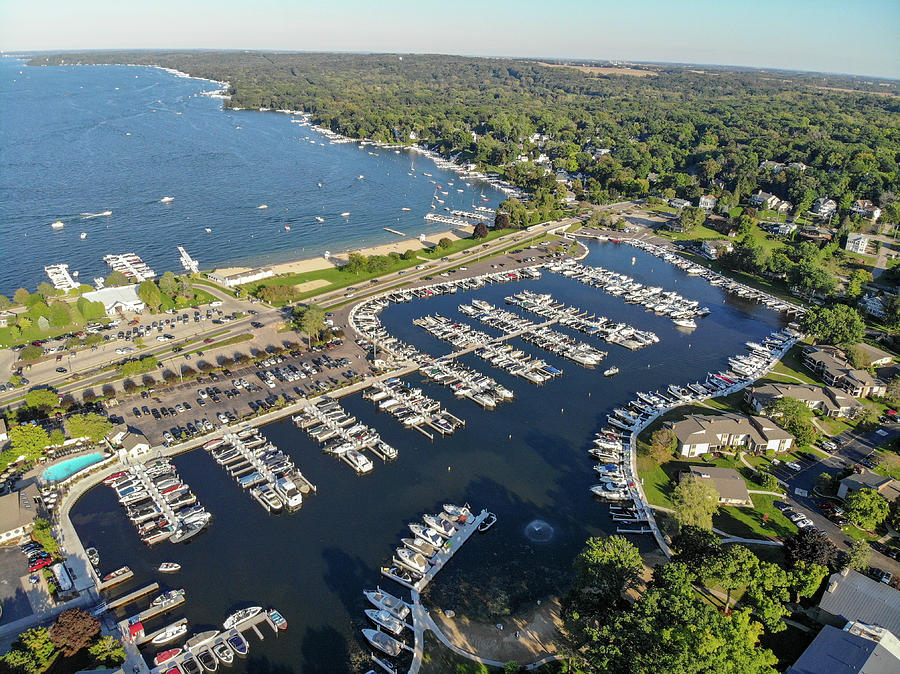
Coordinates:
(19, 508)
(854, 596)
(727, 481)
(835, 651)
(866, 480)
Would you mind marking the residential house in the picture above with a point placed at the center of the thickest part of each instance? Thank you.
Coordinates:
(857, 243)
(785, 229)
(824, 207)
(853, 597)
(17, 512)
(799, 165)
(117, 300)
(877, 357)
(679, 203)
(868, 480)
(857, 649)
(784, 207)
(703, 433)
(764, 200)
(816, 234)
(713, 248)
(866, 209)
(873, 305)
(7, 318)
(830, 364)
(831, 401)
(773, 166)
(708, 202)
(728, 482)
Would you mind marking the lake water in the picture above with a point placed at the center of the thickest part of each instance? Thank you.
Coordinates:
(527, 462)
(86, 139)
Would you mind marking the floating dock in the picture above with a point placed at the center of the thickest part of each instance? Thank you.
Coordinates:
(60, 278)
(131, 265)
(190, 264)
(131, 596)
(393, 231)
(150, 636)
(105, 585)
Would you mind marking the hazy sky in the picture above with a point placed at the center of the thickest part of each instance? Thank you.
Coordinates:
(846, 36)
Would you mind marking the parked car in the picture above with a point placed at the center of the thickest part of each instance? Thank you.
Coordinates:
(793, 465)
(40, 564)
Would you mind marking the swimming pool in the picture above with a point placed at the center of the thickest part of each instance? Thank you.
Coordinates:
(61, 471)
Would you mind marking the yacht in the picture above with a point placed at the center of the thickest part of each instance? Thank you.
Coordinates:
(360, 462)
(427, 534)
(240, 616)
(171, 633)
(442, 526)
(424, 548)
(685, 322)
(383, 642)
(611, 372)
(460, 513)
(412, 560)
(383, 600)
(289, 493)
(267, 497)
(169, 567)
(167, 598)
(384, 619)
(93, 556)
(167, 200)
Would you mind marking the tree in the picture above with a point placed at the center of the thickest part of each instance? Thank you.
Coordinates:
(866, 508)
(444, 243)
(858, 279)
(31, 352)
(695, 546)
(21, 296)
(795, 417)
(695, 501)
(108, 652)
(43, 399)
(31, 653)
(893, 388)
(310, 320)
(501, 221)
(604, 570)
(480, 231)
(767, 594)
(59, 315)
(92, 426)
(4, 302)
(806, 578)
(150, 295)
(839, 324)
(858, 358)
(73, 630)
(56, 438)
(168, 284)
(858, 559)
(734, 567)
(45, 290)
(116, 278)
(662, 444)
(277, 294)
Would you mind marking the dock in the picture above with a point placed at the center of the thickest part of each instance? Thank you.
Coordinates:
(131, 596)
(412, 408)
(60, 278)
(190, 264)
(139, 641)
(393, 231)
(447, 220)
(342, 435)
(105, 585)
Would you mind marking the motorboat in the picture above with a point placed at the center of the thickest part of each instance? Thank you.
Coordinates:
(289, 493)
(169, 567)
(685, 323)
(167, 200)
(360, 462)
(167, 598)
(59, 224)
(277, 619)
(165, 656)
(488, 522)
(238, 643)
(222, 651)
(121, 571)
(115, 476)
(442, 526)
(418, 545)
(240, 616)
(383, 642)
(189, 665)
(412, 560)
(93, 556)
(384, 619)
(200, 639)
(267, 497)
(188, 531)
(171, 633)
(611, 372)
(381, 599)
(427, 534)
(206, 658)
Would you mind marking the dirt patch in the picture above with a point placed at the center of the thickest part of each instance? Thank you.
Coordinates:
(603, 70)
(311, 285)
(525, 637)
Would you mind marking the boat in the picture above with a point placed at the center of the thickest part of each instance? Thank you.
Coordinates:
(381, 599)
(115, 574)
(383, 618)
(166, 655)
(238, 643)
(413, 560)
(171, 633)
(685, 322)
(167, 598)
(611, 372)
(93, 556)
(115, 476)
(488, 522)
(83, 235)
(167, 200)
(418, 545)
(206, 658)
(277, 619)
(200, 639)
(345, 214)
(222, 651)
(405, 209)
(240, 616)
(320, 219)
(459, 512)
(59, 224)
(189, 665)
(207, 230)
(169, 567)
(289, 493)
(442, 526)
(427, 534)
(262, 207)
(383, 642)
(188, 531)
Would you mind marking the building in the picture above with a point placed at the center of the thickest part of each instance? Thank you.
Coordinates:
(868, 480)
(713, 248)
(857, 243)
(4, 433)
(831, 366)
(831, 401)
(764, 200)
(727, 481)
(128, 442)
(877, 357)
(853, 597)
(873, 305)
(817, 234)
(773, 166)
(824, 207)
(799, 165)
(17, 512)
(117, 300)
(703, 433)
(785, 228)
(248, 276)
(679, 203)
(708, 202)
(856, 649)
(784, 206)
(864, 208)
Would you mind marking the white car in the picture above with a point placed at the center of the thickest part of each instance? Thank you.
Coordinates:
(804, 523)
(168, 436)
(222, 417)
(203, 394)
(797, 516)
(793, 465)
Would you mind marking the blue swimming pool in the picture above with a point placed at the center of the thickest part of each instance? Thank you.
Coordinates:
(64, 469)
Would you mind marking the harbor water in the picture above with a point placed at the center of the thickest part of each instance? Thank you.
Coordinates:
(526, 461)
(81, 140)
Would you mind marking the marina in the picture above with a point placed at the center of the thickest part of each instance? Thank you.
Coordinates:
(188, 263)
(131, 265)
(411, 408)
(60, 278)
(341, 435)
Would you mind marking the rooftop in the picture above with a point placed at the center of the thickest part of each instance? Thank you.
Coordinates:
(856, 597)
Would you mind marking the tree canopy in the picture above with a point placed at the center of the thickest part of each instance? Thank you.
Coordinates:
(838, 324)
(696, 501)
(92, 426)
(796, 418)
(866, 508)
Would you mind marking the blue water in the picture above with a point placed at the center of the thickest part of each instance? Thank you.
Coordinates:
(61, 471)
(66, 151)
(526, 461)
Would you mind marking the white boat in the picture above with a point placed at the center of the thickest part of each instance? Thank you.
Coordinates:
(262, 207)
(345, 214)
(171, 633)
(488, 522)
(241, 616)
(289, 493)
(169, 567)
(381, 599)
(442, 526)
(611, 372)
(427, 534)
(383, 618)
(83, 235)
(412, 560)
(459, 512)
(167, 200)
(685, 322)
(320, 219)
(222, 651)
(360, 462)
(59, 224)
(383, 642)
(208, 230)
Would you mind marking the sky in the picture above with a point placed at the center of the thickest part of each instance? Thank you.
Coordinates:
(857, 36)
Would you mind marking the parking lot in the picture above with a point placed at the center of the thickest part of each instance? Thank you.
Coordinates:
(13, 582)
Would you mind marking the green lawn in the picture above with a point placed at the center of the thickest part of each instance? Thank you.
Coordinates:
(657, 485)
(699, 233)
(792, 365)
(858, 534)
(752, 522)
(889, 465)
(196, 280)
(463, 244)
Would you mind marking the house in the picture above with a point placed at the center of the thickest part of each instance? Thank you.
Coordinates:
(7, 318)
(728, 482)
(708, 202)
(713, 248)
(679, 203)
(785, 229)
(873, 305)
(128, 442)
(864, 208)
(851, 596)
(764, 200)
(117, 300)
(832, 402)
(824, 207)
(857, 243)
(773, 166)
(798, 165)
(868, 480)
(877, 357)
(17, 512)
(703, 433)
(816, 234)
(830, 364)
(248, 276)
(784, 207)
(857, 649)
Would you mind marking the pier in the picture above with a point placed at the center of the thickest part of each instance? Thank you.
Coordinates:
(326, 420)
(412, 408)
(148, 637)
(393, 231)
(106, 584)
(131, 596)
(190, 264)
(60, 278)
(479, 217)
(447, 220)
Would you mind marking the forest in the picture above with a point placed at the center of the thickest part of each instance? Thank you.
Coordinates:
(678, 129)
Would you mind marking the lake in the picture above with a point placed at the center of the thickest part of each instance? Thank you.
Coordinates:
(526, 461)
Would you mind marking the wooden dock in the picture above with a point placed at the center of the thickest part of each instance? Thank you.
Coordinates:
(151, 635)
(132, 596)
(105, 585)
(153, 611)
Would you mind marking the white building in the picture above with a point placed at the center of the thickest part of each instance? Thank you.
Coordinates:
(244, 277)
(117, 300)
(857, 243)
(866, 209)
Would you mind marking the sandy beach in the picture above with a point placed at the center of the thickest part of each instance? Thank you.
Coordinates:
(337, 259)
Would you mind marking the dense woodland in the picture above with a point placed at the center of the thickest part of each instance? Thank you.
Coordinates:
(677, 128)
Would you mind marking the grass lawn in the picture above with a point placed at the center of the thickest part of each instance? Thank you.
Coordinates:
(660, 208)
(858, 534)
(236, 339)
(792, 365)
(699, 233)
(889, 466)
(463, 244)
(196, 280)
(657, 485)
(752, 522)
(200, 297)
